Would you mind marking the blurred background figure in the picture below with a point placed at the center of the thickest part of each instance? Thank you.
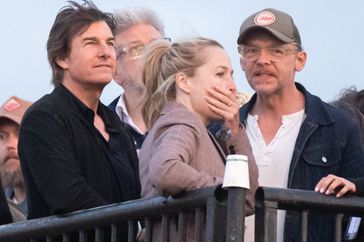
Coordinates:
(351, 101)
(354, 97)
(11, 113)
(242, 98)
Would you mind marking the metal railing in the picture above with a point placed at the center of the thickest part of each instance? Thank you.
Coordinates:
(217, 216)
(269, 200)
(212, 208)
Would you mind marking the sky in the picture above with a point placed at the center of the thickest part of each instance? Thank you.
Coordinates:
(331, 33)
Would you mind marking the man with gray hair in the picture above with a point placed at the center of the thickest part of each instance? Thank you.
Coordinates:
(135, 28)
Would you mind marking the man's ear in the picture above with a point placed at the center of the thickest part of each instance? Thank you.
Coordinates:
(301, 61)
(183, 83)
(63, 63)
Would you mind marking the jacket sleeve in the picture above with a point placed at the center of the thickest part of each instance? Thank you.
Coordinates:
(242, 146)
(170, 172)
(359, 184)
(5, 216)
(45, 150)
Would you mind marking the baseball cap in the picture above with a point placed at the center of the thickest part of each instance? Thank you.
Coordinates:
(14, 109)
(278, 23)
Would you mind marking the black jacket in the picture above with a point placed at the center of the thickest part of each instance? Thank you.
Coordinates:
(66, 162)
(5, 216)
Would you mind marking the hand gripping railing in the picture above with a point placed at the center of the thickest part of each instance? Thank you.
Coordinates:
(268, 200)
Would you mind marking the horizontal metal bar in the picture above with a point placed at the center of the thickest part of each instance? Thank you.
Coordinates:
(130, 210)
(295, 199)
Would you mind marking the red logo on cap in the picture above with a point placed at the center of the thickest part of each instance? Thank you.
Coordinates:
(264, 18)
(11, 105)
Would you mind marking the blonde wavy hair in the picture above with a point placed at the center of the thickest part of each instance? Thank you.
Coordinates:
(163, 61)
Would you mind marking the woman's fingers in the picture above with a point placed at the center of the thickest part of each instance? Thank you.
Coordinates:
(334, 184)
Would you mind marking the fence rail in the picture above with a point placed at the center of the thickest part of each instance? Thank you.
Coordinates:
(217, 212)
(210, 206)
(269, 200)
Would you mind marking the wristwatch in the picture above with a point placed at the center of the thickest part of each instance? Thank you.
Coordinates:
(224, 133)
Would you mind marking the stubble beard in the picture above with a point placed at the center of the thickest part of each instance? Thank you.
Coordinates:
(11, 178)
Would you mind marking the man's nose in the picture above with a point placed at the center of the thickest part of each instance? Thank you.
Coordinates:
(263, 55)
(106, 50)
(12, 140)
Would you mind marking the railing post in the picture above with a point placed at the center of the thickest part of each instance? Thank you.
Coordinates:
(265, 220)
(338, 226)
(235, 214)
(215, 220)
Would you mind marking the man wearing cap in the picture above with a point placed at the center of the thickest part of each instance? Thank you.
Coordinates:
(11, 113)
(296, 137)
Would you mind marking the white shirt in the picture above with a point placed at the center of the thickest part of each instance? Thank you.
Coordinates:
(124, 116)
(273, 160)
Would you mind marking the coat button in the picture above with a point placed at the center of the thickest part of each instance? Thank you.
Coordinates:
(324, 159)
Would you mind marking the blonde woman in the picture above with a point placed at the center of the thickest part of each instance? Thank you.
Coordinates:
(189, 85)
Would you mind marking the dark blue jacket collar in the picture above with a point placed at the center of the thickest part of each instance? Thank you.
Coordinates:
(113, 104)
(314, 107)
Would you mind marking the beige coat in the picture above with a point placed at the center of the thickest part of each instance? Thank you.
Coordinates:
(178, 154)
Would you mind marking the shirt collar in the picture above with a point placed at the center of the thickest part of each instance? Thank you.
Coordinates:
(123, 114)
(84, 111)
(314, 107)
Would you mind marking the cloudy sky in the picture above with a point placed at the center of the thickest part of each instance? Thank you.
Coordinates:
(331, 32)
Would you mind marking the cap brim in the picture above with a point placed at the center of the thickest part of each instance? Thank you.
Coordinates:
(11, 117)
(278, 35)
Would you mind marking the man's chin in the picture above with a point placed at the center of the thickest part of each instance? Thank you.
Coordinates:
(11, 162)
(11, 178)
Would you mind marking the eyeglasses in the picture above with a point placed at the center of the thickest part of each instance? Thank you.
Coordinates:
(135, 50)
(275, 53)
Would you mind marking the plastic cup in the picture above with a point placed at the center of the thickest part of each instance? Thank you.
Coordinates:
(236, 172)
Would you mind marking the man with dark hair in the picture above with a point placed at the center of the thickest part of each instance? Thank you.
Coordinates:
(296, 137)
(354, 97)
(74, 152)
